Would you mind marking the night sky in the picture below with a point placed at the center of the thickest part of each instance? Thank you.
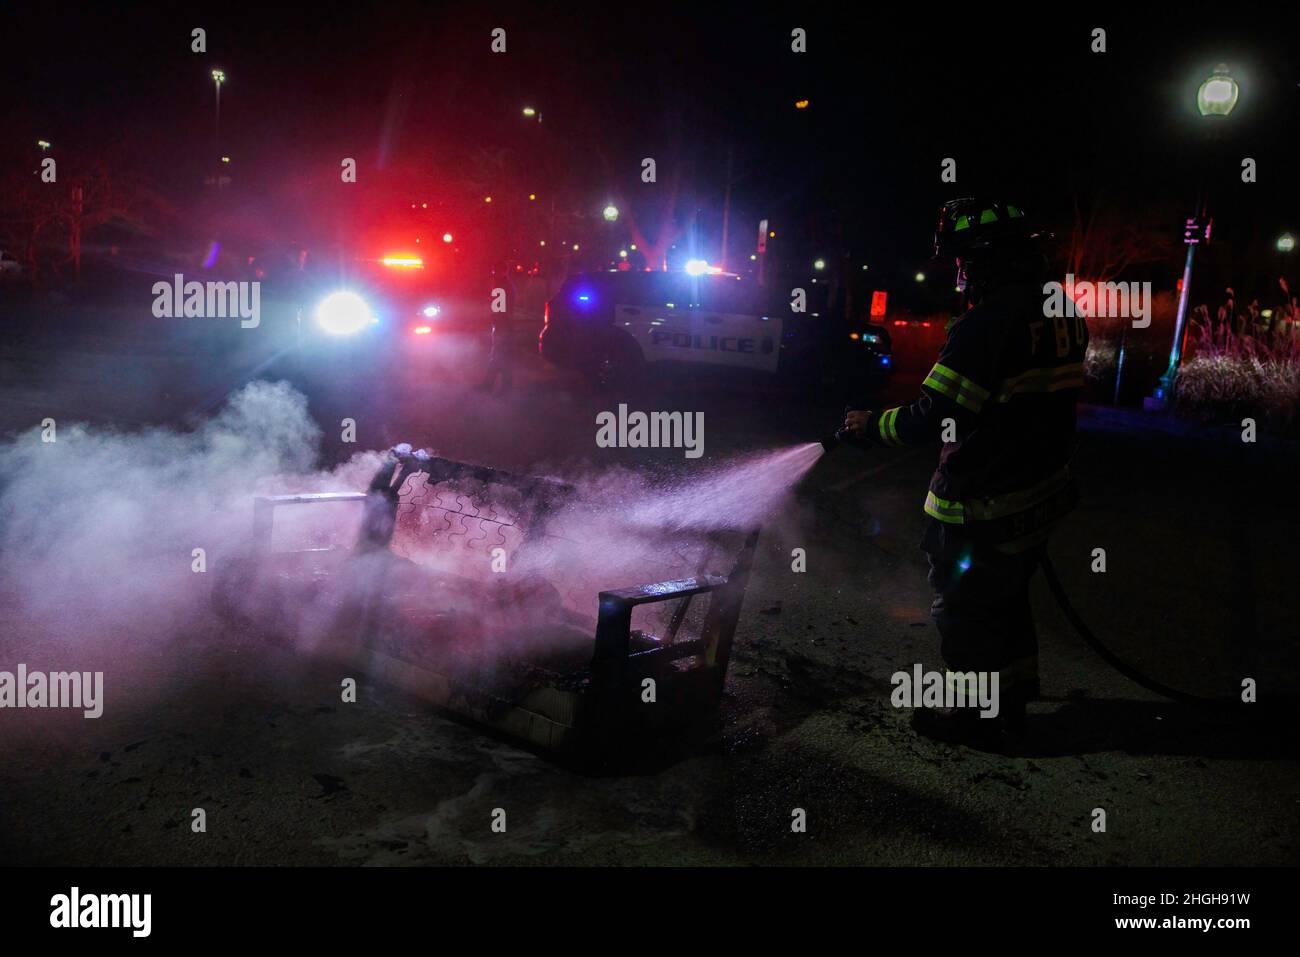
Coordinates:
(1023, 105)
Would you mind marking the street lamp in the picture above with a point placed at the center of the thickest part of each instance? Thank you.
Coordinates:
(1218, 93)
(1285, 243)
(43, 144)
(920, 277)
(529, 112)
(610, 213)
(1217, 96)
(819, 264)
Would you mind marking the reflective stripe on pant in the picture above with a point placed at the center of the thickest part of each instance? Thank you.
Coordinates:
(981, 606)
(1022, 673)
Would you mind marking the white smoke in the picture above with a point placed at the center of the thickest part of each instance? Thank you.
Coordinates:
(98, 532)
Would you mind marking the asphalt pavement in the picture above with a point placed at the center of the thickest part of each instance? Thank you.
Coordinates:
(1197, 591)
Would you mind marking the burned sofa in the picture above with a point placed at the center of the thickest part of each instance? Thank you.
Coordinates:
(504, 599)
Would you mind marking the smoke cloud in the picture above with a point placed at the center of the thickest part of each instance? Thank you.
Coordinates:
(99, 531)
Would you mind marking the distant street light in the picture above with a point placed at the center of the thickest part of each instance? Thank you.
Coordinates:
(218, 78)
(1285, 243)
(446, 237)
(920, 277)
(610, 213)
(529, 111)
(1218, 94)
(819, 264)
(43, 144)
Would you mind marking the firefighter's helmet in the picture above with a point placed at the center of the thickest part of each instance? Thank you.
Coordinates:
(970, 225)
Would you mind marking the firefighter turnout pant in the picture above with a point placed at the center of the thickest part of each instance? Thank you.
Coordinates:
(981, 607)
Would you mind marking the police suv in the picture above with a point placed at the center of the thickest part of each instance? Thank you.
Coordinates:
(612, 325)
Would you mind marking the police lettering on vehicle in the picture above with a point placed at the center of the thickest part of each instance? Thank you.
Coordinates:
(723, 344)
(677, 334)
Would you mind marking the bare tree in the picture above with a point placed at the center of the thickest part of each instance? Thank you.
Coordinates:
(1106, 239)
(659, 209)
(44, 223)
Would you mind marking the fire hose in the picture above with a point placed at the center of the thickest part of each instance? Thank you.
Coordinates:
(1128, 671)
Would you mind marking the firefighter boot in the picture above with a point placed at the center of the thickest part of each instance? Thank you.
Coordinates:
(960, 726)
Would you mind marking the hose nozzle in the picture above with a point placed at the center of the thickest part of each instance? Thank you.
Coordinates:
(842, 437)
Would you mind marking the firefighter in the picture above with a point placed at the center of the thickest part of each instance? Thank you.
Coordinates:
(1001, 398)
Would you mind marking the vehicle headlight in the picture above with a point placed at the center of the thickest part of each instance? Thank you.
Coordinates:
(343, 314)
(429, 311)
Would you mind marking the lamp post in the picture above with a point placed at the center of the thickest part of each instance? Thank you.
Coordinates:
(1217, 96)
(218, 78)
